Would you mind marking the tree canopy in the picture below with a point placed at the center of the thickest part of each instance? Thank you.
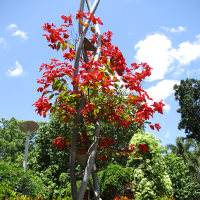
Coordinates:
(91, 91)
(188, 95)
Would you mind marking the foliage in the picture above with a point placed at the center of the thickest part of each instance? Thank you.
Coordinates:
(47, 161)
(182, 148)
(12, 140)
(183, 184)
(114, 151)
(193, 163)
(6, 191)
(150, 179)
(188, 95)
(113, 180)
(189, 151)
(65, 192)
(24, 183)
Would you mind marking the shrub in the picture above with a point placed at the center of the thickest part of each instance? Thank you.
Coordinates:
(6, 191)
(112, 181)
(149, 177)
(23, 183)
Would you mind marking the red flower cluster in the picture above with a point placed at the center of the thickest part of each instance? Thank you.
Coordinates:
(42, 106)
(143, 148)
(157, 126)
(89, 16)
(105, 142)
(83, 138)
(61, 142)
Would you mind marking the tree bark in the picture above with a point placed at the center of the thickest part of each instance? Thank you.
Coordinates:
(96, 183)
(91, 159)
(73, 149)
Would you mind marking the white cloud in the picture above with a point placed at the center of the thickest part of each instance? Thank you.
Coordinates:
(20, 34)
(186, 52)
(162, 91)
(17, 71)
(17, 32)
(174, 30)
(3, 43)
(157, 51)
(11, 26)
(154, 50)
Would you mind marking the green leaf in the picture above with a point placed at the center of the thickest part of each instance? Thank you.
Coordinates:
(53, 109)
(96, 111)
(56, 84)
(58, 46)
(64, 93)
(93, 29)
(93, 93)
(71, 46)
(106, 74)
(64, 45)
(111, 71)
(116, 85)
(51, 96)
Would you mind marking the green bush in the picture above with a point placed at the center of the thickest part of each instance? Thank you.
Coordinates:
(6, 191)
(149, 177)
(23, 183)
(112, 181)
(183, 185)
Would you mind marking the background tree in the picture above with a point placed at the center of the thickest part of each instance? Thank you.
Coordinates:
(188, 95)
(49, 162)
(184, 186)
(12, 140)
(189, 151)
(182, 148)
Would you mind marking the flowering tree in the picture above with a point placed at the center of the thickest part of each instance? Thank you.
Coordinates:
(91, 91)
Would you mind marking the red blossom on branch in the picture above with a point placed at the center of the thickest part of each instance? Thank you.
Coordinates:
(100, 82)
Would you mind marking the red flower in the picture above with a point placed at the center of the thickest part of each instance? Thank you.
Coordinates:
(157, 126)
(152, 127)
(59, 142)
(143, 148)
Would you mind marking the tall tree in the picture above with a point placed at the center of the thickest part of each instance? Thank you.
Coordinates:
(189, 151)
(182, 147)
(12, 139)
(95, 95)
(188, 95)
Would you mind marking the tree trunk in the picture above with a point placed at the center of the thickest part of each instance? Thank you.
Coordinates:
(90, 161)
(95, 183)
(82, 33)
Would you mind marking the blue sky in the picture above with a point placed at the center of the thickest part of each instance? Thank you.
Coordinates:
(165, 34)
